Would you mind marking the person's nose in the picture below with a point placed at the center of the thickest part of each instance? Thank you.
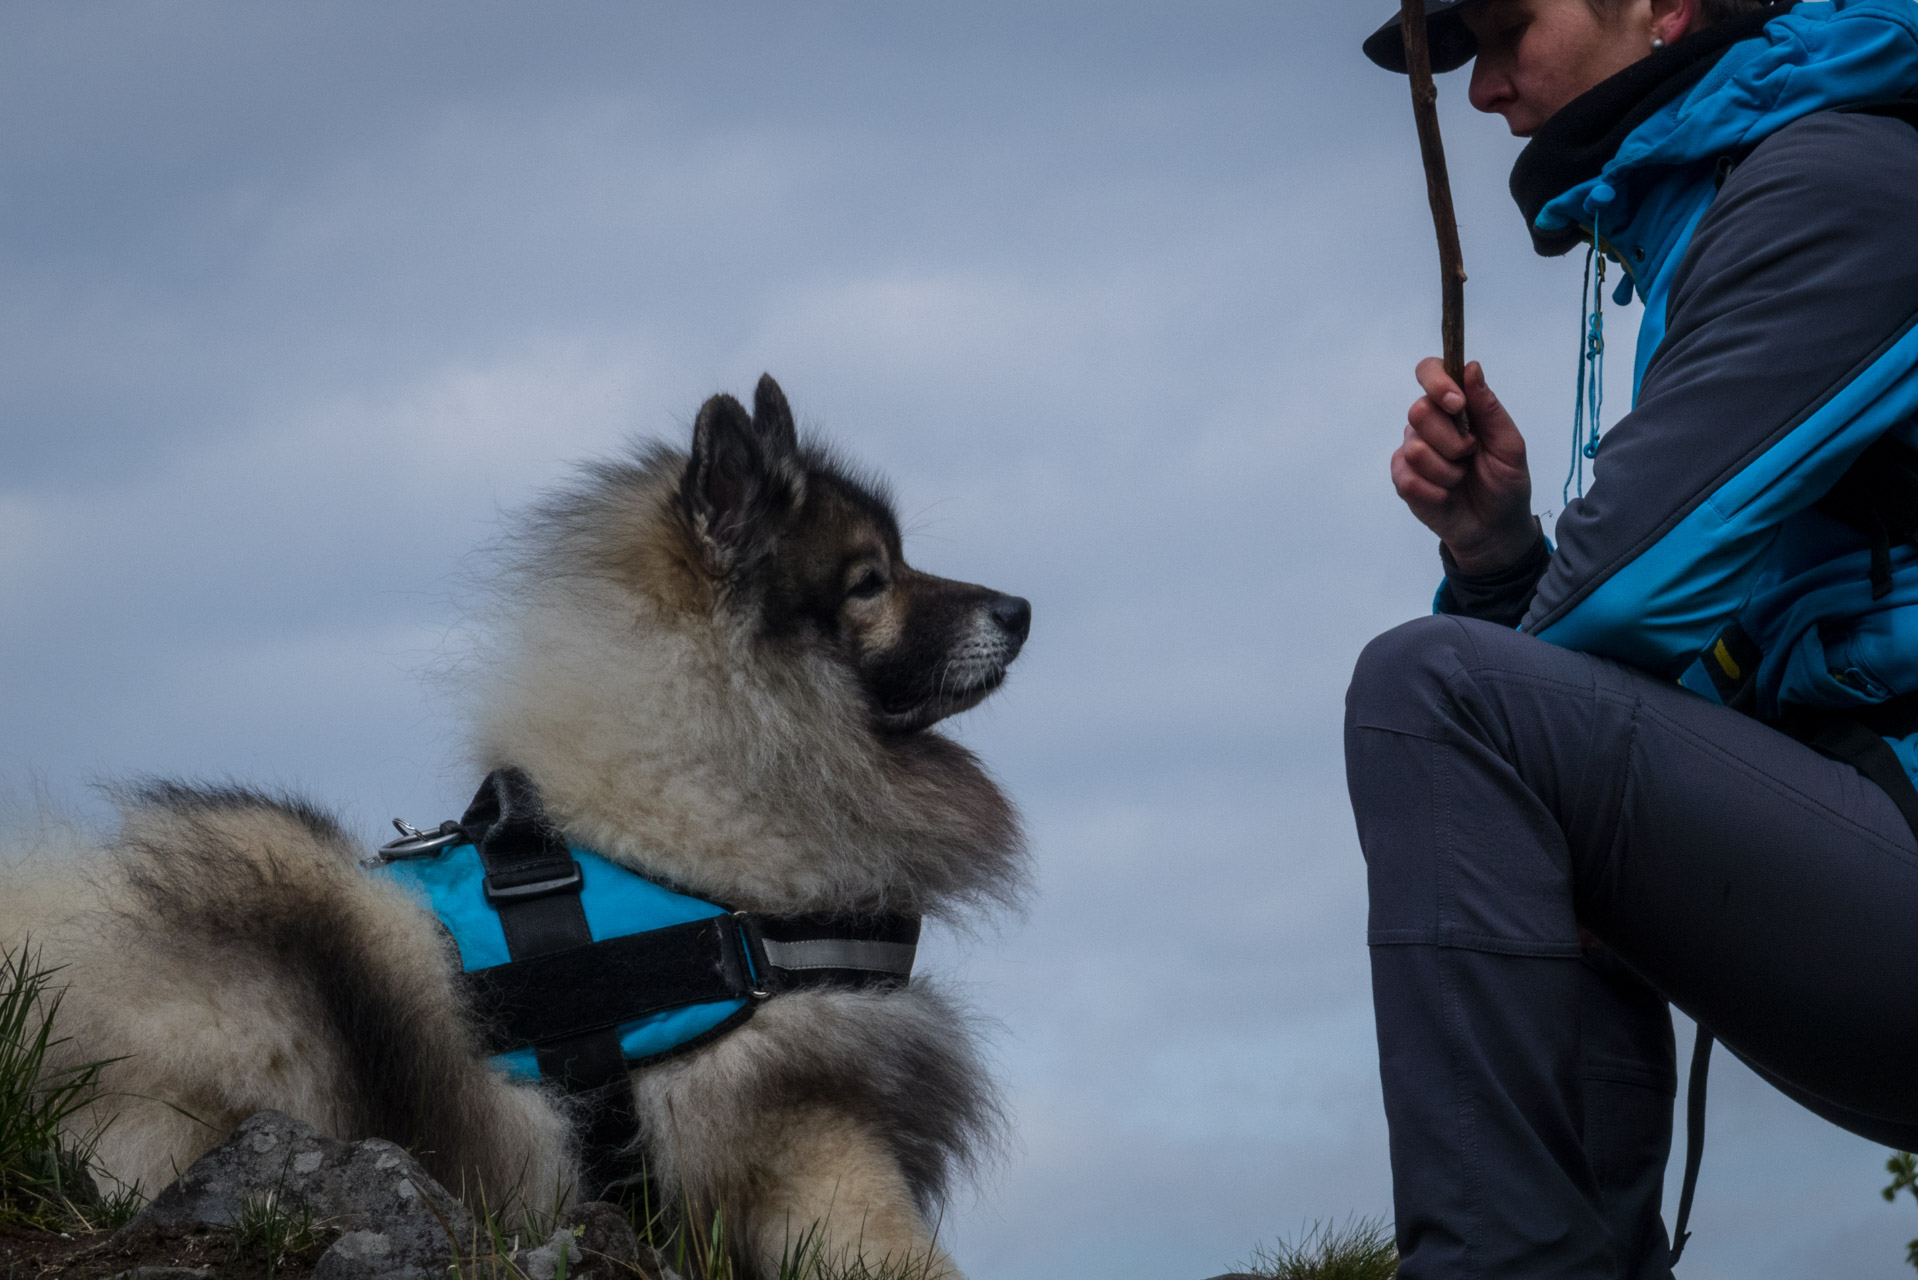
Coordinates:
(1491, 90)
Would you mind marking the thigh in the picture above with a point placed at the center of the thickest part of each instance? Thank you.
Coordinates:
(1769, 892)
(1766, 890)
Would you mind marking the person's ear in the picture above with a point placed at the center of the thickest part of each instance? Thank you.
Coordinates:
(1672, 21)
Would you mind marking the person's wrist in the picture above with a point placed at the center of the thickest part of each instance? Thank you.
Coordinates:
(1496, 554)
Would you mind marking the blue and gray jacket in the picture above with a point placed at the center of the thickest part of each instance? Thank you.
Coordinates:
(1771, 231)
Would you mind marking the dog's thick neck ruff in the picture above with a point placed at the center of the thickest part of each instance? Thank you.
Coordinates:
(580, 970)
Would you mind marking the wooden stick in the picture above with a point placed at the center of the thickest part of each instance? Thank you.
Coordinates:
(1438, 188)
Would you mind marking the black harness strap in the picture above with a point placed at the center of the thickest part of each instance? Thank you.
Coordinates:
(534, 884)
(565, 995)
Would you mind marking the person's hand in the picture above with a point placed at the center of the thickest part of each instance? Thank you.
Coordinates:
(1475, 493)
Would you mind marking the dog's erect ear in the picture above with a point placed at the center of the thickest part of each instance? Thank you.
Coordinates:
(774, 419)
(740, 479)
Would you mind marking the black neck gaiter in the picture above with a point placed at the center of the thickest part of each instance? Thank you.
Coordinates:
(1575, 145)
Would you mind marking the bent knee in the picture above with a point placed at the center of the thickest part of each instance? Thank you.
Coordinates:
(1403, 668)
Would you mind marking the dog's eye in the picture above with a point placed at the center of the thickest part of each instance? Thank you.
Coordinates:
(866, 585)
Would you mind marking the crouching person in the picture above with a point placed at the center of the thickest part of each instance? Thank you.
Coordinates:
(1668, 759)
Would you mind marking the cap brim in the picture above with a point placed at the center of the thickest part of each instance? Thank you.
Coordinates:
(1453, 44)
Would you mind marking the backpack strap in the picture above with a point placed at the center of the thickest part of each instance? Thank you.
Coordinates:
(1905, 109)
(1878, 496)
(1694, 1140)
(1857, 736)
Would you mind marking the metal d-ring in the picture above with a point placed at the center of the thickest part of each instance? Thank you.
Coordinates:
(414, 843)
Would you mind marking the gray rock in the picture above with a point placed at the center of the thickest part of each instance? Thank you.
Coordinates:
(604, 1234)
(543, 1263)
(596, 1241)
(397, 1221)
(164, 1273)
(361, 1253)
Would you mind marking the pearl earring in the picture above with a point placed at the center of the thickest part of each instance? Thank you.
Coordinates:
(1658, 42)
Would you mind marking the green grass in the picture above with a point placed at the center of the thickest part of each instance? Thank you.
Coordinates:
(694, 1244)
(46, 1176)
(704, 1253)
(269, 1230)
(805, 1260)
(1358, 1249)
(697, 1247)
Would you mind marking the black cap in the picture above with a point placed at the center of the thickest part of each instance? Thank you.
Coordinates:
(1452, 44)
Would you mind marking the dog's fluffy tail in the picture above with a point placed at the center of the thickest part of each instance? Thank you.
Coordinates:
(227, 951)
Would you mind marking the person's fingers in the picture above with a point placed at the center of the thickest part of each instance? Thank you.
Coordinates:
(1429, 464)
(1438, 384)
(1432, 424)
(1415, 489)
(1490, 422)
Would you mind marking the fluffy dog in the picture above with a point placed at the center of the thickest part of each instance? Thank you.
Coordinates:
(720, 672)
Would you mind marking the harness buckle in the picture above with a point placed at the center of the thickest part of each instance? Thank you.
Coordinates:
(752, 944)
(567, 882)
(414, 843)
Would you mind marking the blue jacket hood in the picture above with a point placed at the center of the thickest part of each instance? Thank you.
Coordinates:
(1821, 54)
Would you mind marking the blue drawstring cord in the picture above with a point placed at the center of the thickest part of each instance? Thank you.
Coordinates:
(1590, 404)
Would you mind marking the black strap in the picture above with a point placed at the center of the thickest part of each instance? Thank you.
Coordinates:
(1905, 109)
(531, 878)
(1694, 1138)
(1878, 496)
(534, 883)
(1857, 737)
(599, 986)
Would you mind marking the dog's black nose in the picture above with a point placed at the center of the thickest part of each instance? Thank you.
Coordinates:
(1014, 614)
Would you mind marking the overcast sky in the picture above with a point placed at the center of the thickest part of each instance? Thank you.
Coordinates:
(299, 302)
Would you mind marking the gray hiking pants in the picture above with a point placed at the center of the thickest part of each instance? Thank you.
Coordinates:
(1519, 803)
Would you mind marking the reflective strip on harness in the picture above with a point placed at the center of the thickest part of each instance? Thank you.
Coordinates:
(842, 953)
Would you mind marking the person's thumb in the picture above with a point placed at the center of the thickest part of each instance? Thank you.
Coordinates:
(1490, 423)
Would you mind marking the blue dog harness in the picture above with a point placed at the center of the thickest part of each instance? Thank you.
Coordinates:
(617, 904)
(578, 970)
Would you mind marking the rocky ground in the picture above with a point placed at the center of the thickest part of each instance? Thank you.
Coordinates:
(276, 1201)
